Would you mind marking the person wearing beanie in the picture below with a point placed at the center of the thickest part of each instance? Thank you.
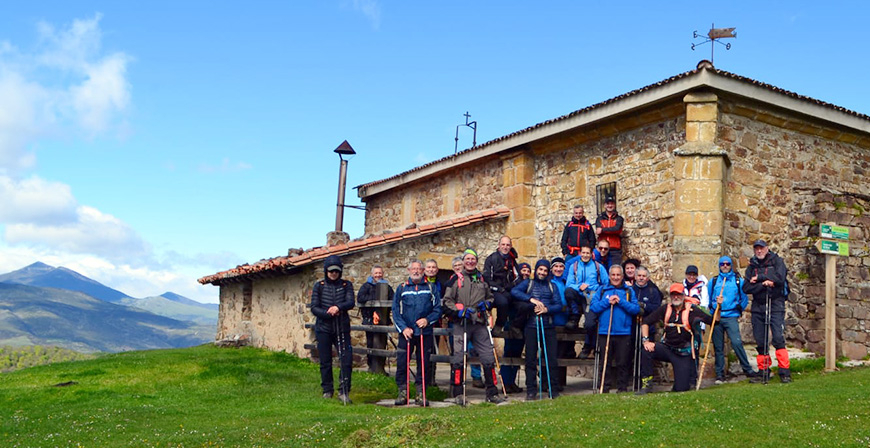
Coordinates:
(541, 292)
(331, 299)
(468, 301)
(730, 300)
(766, 279)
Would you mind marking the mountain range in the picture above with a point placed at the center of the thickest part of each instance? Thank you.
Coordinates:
(45, 305)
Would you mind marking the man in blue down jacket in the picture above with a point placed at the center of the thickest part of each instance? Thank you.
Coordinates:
(545, 295)
(416, 306)
(331, 299)
(619, 299)
(726, 290)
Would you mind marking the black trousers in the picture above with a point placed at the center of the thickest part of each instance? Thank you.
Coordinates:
(402, 359)
(777, 323)
(325, 342)
(531, 335)
(618, 358)
(684, 366)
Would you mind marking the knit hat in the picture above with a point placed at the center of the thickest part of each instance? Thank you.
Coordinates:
(557, 260)
(542, 262)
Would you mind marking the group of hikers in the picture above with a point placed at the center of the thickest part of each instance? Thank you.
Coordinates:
(621, 304)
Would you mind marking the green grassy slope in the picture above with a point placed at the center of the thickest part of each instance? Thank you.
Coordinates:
(204, 396)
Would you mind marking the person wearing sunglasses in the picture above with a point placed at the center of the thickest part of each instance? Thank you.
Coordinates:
(726, 291)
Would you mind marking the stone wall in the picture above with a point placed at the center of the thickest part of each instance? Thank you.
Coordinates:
(786, 176)
(279, 306)
(641, 162)
(457, 192)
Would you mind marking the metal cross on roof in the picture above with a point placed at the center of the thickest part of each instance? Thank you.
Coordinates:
(712, 36)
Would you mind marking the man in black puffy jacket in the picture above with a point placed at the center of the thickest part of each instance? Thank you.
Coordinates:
(766, 280)
(500, 272)
(331, 299)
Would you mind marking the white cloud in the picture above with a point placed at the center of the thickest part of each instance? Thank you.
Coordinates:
(91, 232)
(35, 200)
(224, 167)
(79, 91)
(370, 9)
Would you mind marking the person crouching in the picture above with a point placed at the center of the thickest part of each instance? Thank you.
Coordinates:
(676, 347)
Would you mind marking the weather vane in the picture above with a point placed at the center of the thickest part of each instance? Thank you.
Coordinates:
(713, 36)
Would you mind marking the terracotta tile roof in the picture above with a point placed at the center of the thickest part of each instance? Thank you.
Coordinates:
(703, 65)
(282, 264)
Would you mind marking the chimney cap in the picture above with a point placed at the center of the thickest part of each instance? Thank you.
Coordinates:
(344, 149)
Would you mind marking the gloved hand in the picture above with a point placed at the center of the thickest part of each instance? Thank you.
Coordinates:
(484, 306)
(463, 313)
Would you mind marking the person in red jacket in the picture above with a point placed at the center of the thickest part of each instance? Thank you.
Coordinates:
(608, 227)
(578, 233)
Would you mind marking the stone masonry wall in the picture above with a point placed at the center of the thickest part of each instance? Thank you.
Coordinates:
(457, 192)
(641, 162)
(786, 176)
(279, 306)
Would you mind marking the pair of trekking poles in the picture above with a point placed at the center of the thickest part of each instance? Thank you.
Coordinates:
(465, 355)
(543, 359)
(408, 371)
(342, 381)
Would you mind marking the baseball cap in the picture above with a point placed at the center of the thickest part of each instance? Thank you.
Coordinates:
(676, 288)
(761, 243)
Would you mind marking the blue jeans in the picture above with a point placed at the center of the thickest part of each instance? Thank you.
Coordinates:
(732, 327)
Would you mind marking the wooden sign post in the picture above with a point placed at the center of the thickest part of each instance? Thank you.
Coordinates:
(832, 248)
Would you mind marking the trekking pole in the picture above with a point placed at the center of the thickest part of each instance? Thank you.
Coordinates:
(408, 372)
(606, 352)
(423, 372)
(540, 363)
(495, 354)
(464, 359)
(546, 360)
(595, 380)
(340, 346)
(710, 338)
(637, 349)
(766, 374)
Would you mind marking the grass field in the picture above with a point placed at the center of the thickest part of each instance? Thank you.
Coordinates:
(205, 396)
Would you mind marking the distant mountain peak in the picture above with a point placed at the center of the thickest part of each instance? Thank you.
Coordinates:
(38, 266)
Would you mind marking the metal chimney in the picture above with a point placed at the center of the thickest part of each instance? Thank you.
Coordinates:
(344, 149)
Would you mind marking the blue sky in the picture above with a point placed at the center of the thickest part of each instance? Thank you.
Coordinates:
(146, 145)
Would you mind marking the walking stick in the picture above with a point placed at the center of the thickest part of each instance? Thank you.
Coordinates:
(546, 359)
(423, 362)
(495, 354)
(710, 338)
(606, 352)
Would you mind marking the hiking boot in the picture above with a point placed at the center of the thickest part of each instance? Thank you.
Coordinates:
(586, 353)
(478, 383)
(784, 376)
(761, 377)
(720, 380)
(531, 396)
(328, 395)
(344, 399)
(645, 386)
(495, 399)
(419, 401)
(460, 400)
(402, 398)
(513, 389)
(573, 322)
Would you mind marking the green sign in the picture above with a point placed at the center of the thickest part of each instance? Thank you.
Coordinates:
(834, 232)
(834, 248)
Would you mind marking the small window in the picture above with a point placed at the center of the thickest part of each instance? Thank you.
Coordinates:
(247, 300)
(602, 192)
